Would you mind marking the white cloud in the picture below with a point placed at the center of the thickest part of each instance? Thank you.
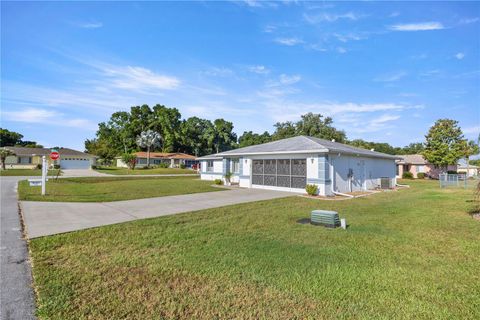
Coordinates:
(219, 72)
(348, 37)
(138, 78)
(331, 17)
(430, 73)
(259, 69)
(341, 50)
(384, 118)
(460, 55)
(391, 77)
(289, 41)
(90, 25)
(472, 130)
(394, 14)
(288, 80)
(469, 20)
(46, 117)
(421, 26)
(269, 29)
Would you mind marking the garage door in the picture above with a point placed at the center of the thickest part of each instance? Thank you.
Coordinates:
(286, 173)
(72, 163)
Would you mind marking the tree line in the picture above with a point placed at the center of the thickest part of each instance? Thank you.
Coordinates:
(200, 137)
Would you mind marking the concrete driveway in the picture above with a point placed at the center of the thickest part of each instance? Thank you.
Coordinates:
(48, 218)
(66, 173)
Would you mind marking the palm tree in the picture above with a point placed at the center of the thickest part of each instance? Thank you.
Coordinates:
(4, 153)
(148, 139)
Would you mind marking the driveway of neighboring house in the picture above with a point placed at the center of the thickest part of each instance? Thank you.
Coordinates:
(47, 218)
(17, 300)
(67, 173)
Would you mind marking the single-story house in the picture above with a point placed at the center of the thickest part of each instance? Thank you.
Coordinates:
(290, 164)
(29, 158)
(469, 170)
(416, 163)
(173, 159)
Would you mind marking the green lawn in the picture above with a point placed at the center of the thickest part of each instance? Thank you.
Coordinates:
(26, 172)
(99, 189)
(411, 254)
(141, 171)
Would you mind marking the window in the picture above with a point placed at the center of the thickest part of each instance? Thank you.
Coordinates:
(25, 160)
(210, 166)
(235, 166)
(141, 161)
(420, 168)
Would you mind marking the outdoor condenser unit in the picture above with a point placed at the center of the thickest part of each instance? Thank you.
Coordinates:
(325, 218)
(386, 183)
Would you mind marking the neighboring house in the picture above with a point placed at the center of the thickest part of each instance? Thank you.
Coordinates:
(416, 163)
(290, 164)
(470, 170)
(173, 159)
(29, 158)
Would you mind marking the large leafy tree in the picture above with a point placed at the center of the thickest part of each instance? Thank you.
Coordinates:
(195, 136)
(249, 139)
(221, 136)
(149, 139)
(167, 121)
(310, 124)
(377, 146)
(444, 143)
(9, 138)
(471, 148)
(413, 148)
(101, 149)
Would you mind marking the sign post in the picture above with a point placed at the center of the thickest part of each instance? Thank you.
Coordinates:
(44, 174)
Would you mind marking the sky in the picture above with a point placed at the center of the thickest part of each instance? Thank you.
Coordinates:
(384, 71)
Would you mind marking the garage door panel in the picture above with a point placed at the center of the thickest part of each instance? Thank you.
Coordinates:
(74, 164)
(286, 173)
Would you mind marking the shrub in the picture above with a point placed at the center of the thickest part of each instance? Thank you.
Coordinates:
(56, 166)
(93, 167)
(130, 160)
(407, 175)
(421, 175)
(163, 165)
(182, 166)
(312, 189)
(218, 182)
(38, 166)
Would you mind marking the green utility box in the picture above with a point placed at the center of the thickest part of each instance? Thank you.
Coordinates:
(325, 218)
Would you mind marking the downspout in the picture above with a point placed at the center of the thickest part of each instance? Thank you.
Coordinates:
(332, 178)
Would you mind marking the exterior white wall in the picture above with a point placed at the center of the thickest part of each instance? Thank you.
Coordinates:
(366, 172)
(217, 170)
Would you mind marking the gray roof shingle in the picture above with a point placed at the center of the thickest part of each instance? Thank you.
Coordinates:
(22, 151)
(301, 144)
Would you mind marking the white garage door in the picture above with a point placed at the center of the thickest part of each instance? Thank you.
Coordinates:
(71, 163)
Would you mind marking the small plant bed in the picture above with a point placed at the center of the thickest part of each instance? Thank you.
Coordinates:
(26, 172)
(102, 189)
(144, 171)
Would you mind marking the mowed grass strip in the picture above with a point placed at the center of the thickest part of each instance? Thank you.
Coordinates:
(411, 254)
(141, 171)
(26, 172)
(101, 189)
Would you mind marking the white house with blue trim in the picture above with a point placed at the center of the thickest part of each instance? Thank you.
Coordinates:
(290, 164)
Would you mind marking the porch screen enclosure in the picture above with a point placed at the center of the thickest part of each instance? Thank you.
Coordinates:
(286, 173)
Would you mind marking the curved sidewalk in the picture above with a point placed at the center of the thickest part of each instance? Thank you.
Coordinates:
(48, 218)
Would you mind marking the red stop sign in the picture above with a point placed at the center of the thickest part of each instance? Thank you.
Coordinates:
(54, 155)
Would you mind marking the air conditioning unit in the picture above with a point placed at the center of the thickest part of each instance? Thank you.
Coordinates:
(386, 183)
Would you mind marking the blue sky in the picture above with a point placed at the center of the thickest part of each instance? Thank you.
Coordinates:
(383, 71)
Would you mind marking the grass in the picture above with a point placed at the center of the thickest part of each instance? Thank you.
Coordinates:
(100, 189)
(141, 171)
(411, 254)
(26, 172)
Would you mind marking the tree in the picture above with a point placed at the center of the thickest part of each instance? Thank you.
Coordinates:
(444, 143)
(149, 139)
(413, 148)
(28, 144)
(9, 138)
(221, 136)
(101, 149)
(471, 149)
(194, 136)
(167, 122)
(310, 124)
(4, 153)
(130, 159)
(249, 139)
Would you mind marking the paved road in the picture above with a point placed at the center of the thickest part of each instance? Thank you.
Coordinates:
(17, 300)
(47, 218)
